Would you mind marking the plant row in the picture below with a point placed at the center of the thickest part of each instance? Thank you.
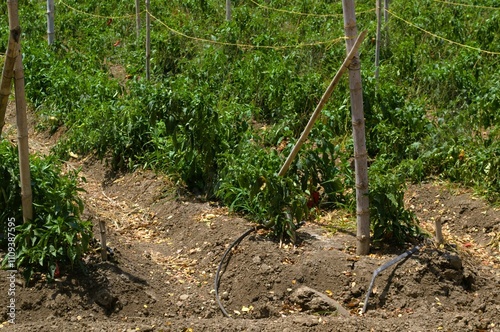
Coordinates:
(221, 119)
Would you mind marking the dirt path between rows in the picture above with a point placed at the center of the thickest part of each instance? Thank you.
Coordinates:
(167, 246)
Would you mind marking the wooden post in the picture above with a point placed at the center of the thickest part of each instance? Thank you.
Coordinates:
(322, 103)
(22, 141)
(50, 22)
(439, 231)
(228, 10)
(21, 118)
(386, 19)
(358, 126)
(102, 229)
(8, 73)
(377, 40)
(137, 18)
(386, 13)
(148, 41)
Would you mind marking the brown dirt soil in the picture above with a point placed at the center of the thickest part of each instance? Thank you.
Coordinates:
(167, 246)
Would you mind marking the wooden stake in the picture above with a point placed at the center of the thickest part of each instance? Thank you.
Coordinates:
(148, 42)
(377, 40)
(358, 126)
(13, 50)
(386, 13)
(21, 118)
(439, 231)
(22, 141)
(386, 19)
(137, 18)
(50, 22)
(228, 10)
(102, 229)
(5, 87)
(322, 103)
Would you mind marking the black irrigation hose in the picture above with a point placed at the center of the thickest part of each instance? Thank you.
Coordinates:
(228, 250)
(385, 266)
(217, 275)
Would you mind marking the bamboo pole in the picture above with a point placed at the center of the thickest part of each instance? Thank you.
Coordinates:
(377, 40)
(22, 141)
(321, 104)
(148, 42)
(386, 19)
(50, 22)
(137, 19)
(8, 72)
(21, 118)
(228, 10)
(358, 126)
(386, 13)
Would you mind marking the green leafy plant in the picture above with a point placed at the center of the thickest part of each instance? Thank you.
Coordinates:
(218, 117)
(279, 203)
(55, 243)
(391, 220)
(56, 236)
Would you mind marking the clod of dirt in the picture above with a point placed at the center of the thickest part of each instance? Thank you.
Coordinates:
(105, 299)
(313, 301)
(454, 261)
(449, 265)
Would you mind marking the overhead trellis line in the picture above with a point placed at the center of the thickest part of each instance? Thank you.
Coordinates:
(96, 15)
(304, 14)
(241, 45)
(466, 5)
(440, 37)
(210, 41)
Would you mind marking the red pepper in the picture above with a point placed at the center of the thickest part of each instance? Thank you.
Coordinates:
(57, 272)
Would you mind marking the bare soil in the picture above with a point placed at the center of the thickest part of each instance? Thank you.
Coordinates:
(167, 245)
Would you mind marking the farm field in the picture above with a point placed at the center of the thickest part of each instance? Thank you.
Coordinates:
(167, 247)
(180, 160)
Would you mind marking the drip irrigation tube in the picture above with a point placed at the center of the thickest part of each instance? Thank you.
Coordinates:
(393, 261)
(219, 268)
(228, 250)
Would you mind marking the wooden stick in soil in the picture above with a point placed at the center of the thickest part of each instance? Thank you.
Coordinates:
(358, 133)
(321, 104)
(21, 118)
(102, 229)
(439, 231)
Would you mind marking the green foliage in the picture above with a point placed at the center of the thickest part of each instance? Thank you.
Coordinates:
(390, 220)
(10, 191)
(396, 127)
(221, 118)
(249, 182)
(251, 185)
(56, 235)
